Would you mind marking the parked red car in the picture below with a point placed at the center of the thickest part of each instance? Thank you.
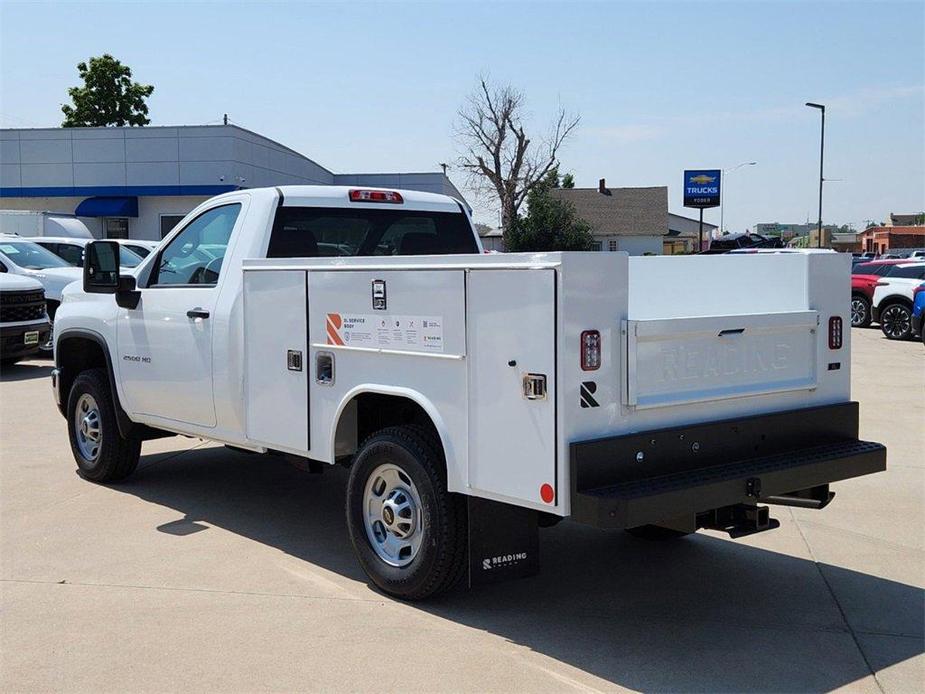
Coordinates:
(864, 276)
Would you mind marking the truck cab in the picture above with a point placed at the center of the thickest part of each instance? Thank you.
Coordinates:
(474, 397)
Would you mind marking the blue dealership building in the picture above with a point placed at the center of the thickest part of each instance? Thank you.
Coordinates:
(126, 182)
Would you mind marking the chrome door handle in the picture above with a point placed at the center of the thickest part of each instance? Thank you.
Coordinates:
(197, 313)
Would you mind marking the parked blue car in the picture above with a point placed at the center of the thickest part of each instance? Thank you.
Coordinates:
(918, 311)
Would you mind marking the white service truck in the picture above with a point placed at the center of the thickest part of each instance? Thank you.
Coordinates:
(474, 397)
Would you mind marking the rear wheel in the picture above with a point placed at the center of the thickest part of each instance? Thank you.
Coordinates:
(101, 452)
(896, 321)
(408, 531)
(860, 311)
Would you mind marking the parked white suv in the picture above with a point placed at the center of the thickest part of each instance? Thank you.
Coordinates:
(24, 325)
(892, 304)
(20, 256)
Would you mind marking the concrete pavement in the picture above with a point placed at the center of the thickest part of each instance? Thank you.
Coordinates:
(217, 571)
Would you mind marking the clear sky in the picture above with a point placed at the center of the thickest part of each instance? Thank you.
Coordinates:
(660, 86)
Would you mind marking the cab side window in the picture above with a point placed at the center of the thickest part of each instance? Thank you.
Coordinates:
(194, 257)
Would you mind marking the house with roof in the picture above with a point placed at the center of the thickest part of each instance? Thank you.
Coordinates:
(883, 238)
(634, 220)
(684, 235)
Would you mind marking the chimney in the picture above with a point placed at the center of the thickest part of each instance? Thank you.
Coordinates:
(602, 187)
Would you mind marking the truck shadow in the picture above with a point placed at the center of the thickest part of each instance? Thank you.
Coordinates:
(25, 371)
(699, 614)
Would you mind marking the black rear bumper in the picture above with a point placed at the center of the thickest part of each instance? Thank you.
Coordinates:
(657, 477)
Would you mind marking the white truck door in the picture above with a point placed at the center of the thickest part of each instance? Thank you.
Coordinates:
(165, 344)
(511, 346)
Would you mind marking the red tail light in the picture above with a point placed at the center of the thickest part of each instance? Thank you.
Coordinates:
(835, 332)
(590, 350)
(363, 195)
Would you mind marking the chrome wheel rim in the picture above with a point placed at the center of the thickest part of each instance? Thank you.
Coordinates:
(88, 427)
(392, 515)
(858, 312)
(896, 322)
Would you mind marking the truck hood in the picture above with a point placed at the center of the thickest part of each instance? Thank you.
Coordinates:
(17, 283)
(55, 279)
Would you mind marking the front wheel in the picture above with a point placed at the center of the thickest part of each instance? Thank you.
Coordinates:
(408, 531)
(101, 452)
(896, 321)
(860, 312)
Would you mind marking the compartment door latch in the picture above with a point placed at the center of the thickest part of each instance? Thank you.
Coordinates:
(534, 386)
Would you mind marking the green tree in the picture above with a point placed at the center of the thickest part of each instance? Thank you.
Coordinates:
(568, 181)
(550, 224)
(107, 97)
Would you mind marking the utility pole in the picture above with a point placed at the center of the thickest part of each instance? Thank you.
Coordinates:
(821, 109)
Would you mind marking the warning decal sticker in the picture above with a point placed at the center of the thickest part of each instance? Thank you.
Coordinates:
(416, 333)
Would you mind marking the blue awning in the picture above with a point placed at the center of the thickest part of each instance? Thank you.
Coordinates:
(108, 206)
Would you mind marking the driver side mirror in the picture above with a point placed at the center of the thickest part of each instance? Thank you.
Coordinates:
(101, 274)
(101, 267)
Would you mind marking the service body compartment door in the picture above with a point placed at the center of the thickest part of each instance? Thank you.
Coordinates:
(276, 359)
(674, 361)
(511, 320)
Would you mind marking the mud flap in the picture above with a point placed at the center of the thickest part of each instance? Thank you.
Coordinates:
(503, 542)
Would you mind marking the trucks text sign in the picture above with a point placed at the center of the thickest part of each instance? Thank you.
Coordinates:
(701, 188)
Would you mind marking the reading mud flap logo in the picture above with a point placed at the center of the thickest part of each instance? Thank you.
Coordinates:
(503, 560)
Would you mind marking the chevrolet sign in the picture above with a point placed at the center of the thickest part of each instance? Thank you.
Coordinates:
(701, 188)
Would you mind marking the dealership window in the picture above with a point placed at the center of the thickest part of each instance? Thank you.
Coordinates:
(168, 222)
(595, 245)
(116, 227)
(612, 244)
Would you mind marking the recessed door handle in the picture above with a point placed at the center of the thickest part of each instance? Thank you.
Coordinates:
(197, 313)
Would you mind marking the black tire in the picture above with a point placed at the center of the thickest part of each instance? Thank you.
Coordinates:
(860, 311)
(656, 533)
(896, 321)
(116, 457)
(440, 561)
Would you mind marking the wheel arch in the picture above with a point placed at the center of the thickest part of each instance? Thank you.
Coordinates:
(895, 299)
(77, 350)
(405, 406)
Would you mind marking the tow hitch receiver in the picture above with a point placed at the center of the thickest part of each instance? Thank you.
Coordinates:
(739, 520)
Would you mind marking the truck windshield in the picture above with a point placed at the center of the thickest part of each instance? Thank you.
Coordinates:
(308, 232)
(30, 256)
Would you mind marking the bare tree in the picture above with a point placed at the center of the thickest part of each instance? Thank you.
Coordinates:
(497, 154)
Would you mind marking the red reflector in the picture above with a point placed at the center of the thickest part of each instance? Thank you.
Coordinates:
(835, 332)
(376, 196)
(590, 350)
(547, 493)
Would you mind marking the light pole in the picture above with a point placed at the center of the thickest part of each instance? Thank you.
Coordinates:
(722, 176)
(821, 108)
